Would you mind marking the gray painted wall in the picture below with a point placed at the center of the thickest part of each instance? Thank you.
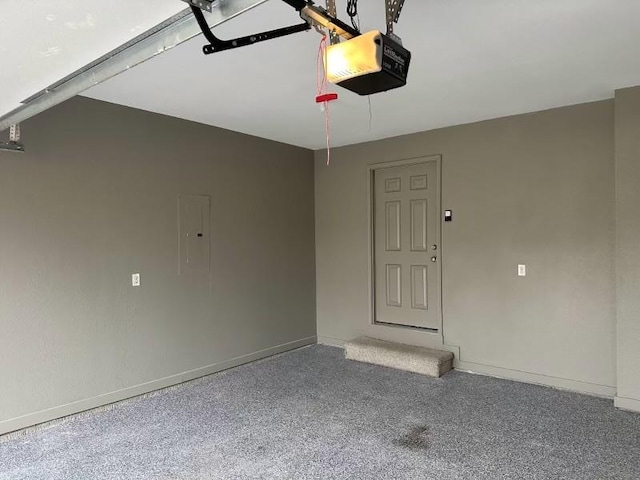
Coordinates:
(94, 200)
(536, 189)
(627, 138)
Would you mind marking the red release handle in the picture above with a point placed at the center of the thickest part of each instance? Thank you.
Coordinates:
(327, 97)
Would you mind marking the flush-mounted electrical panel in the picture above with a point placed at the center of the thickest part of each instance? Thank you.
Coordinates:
(194, 244)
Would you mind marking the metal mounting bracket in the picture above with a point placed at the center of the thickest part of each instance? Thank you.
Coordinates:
(203, 4)
(331, 10)
(312, 15)
(14, 132)
(393, 9)
(14, 144)
(319, 16)
(218, 45)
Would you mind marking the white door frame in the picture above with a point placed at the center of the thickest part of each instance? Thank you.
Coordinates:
(371, 246)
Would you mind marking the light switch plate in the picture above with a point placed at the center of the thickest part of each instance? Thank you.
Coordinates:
(135, 279)
(522, 270)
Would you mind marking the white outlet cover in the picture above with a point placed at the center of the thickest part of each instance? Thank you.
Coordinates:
(135, 279)
(522, 270)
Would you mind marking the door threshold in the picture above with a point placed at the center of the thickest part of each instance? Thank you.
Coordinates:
(413, 327)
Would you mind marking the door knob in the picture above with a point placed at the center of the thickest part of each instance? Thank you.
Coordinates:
(433, 259)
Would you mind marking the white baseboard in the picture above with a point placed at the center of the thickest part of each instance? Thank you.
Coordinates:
(606, 391)
(332, 342)
(31, 419)
(629, 404)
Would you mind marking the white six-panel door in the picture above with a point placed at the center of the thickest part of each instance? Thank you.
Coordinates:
(406, 249)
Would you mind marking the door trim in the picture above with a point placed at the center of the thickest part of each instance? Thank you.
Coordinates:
(371, 237)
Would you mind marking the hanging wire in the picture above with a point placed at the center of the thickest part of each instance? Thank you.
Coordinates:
(352, 12)
(321, 76)
(321, 88)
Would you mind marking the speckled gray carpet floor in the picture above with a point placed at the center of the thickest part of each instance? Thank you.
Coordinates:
(312, 414)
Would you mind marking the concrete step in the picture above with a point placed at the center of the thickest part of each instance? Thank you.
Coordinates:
(426, 361)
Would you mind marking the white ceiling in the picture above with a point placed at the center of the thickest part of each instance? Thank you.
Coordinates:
(472, 60)
(42, 41)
